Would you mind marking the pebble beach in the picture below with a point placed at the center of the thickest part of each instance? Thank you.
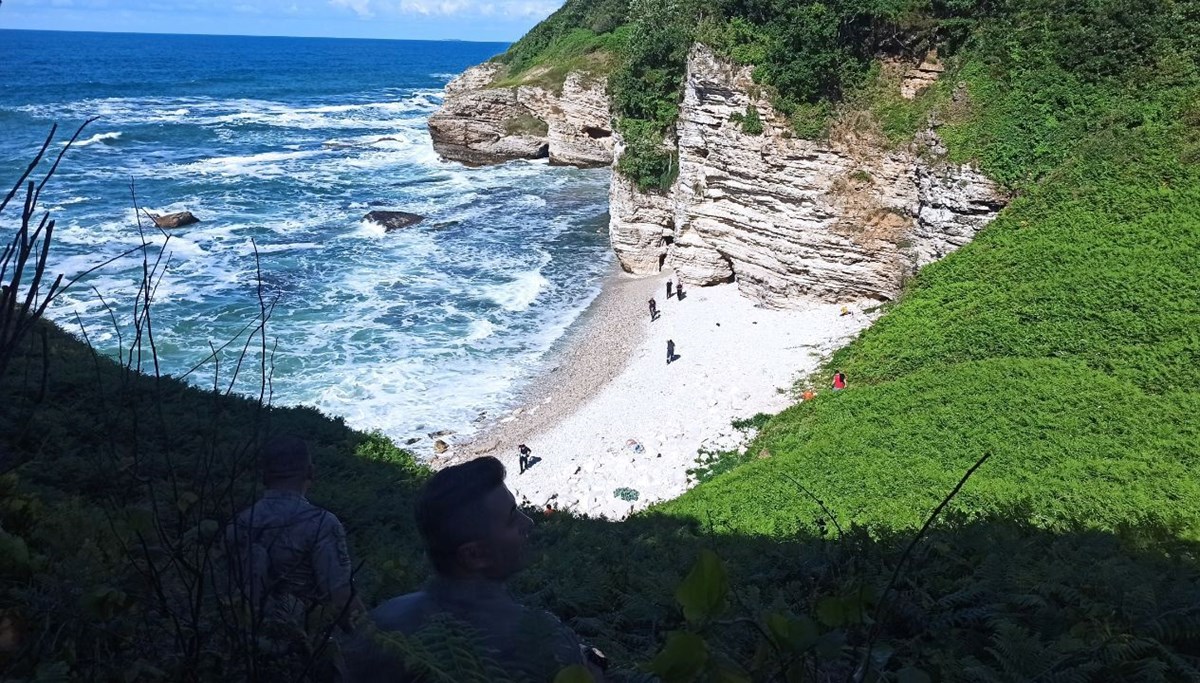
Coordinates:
(608, 412)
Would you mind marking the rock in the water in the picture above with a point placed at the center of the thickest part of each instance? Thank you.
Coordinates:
(394, 220)
(173, 220)
(440, 433)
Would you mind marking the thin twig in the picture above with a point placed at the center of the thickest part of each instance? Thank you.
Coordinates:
(881, 606)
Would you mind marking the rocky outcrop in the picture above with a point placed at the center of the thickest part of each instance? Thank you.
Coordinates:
(788, 218)
(168, 221)
(481, 124)
(921, 76)
(393, 220)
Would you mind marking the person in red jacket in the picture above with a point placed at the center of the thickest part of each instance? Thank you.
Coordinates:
(839, 381)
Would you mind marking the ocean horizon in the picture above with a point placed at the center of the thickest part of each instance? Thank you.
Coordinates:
(284, 144)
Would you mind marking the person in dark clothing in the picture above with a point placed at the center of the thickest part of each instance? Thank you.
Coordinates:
(679, 291)
(476, 537)
(288, 556)
(670, 351)
(523, 458)
(653, 310)
(669, 285)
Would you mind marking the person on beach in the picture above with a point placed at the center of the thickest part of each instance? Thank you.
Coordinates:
(679, 291)
(288, 556)
(476, 538)
(653, 310)
(669, 285)
(839, 381)
(670, 351)
(523, 457)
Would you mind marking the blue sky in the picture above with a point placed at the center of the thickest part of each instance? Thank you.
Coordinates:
(490, 20)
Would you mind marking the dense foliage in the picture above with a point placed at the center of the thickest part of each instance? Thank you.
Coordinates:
(813, 58)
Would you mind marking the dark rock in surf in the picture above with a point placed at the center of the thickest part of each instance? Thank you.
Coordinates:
(167, 221)
(394, 220)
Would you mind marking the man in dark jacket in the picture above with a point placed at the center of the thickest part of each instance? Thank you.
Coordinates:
(476, 538)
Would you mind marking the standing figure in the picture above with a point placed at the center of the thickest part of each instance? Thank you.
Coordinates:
(670, 351)
(653, 310)
(523, 458)
(679, 291)
(669, 285)
(288, 556)
(839, 381)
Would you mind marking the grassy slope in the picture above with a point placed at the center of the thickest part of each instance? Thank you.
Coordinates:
(582, 35)
(1065, 340)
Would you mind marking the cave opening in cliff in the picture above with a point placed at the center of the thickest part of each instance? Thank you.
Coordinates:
(667, 241)
(596, 133)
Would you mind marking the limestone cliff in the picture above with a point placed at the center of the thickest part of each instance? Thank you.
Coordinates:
(789, 219)
(482, 124)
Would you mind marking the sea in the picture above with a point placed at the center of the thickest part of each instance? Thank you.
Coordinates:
(283, 145)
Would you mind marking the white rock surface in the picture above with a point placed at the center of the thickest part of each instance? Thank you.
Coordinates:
(480, 124)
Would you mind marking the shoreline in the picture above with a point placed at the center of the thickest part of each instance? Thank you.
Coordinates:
(594, 350)
(606, 382)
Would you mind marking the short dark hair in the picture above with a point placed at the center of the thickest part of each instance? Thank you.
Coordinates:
(284, 458)
(447, 509)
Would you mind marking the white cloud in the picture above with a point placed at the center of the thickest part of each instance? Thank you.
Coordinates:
(360, 7)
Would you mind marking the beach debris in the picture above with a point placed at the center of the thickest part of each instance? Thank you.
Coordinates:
(393, 220)
(635, 446)
(626, 494)
(440, 446)
(167, 221)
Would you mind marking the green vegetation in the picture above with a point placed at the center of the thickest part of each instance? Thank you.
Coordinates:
(575, 23)
(1064, 343)
(526, 124)
(751, 122)
(578, 50)
(1063, 340)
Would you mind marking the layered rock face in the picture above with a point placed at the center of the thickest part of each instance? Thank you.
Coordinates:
(479, 124)
(791, 219)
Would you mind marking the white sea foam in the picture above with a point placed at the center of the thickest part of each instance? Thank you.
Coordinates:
(261, 165)
(408, 332)
(480, 330)
(98, 137)
(519, 293)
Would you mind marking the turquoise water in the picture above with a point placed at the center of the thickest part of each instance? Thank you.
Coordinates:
(286, 143)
